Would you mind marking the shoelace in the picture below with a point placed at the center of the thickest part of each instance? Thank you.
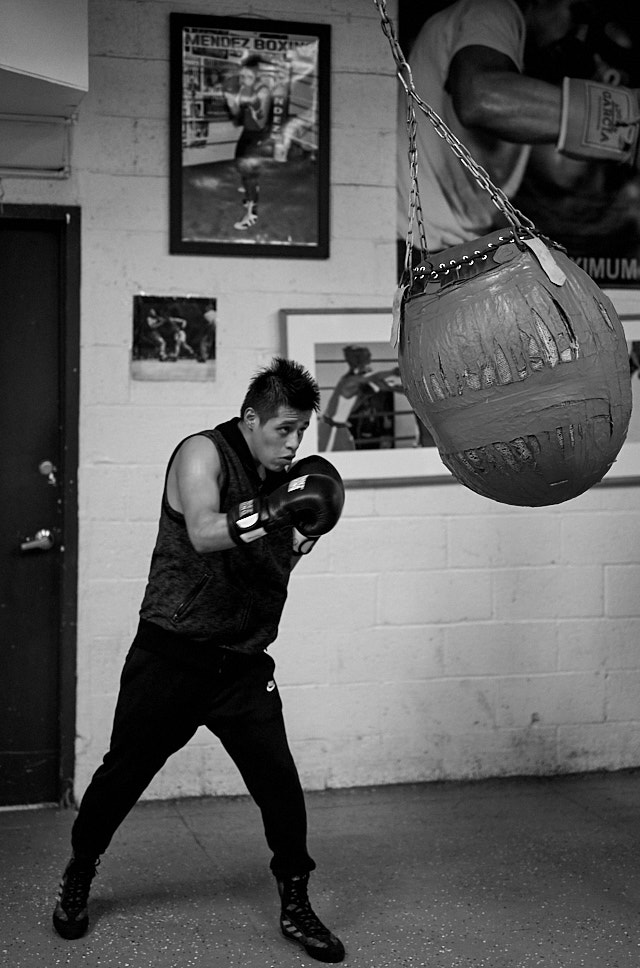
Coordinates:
(76, 884)
(299, 907)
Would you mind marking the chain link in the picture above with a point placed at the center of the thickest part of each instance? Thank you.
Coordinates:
(519, 222)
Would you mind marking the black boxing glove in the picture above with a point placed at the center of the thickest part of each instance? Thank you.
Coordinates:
(317, 465)
(249, 101)
(303, 539)
(310, 503)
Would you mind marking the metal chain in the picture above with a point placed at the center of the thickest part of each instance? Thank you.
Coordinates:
(519, 222)
(415, 206)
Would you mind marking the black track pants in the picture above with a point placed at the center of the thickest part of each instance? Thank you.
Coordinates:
(160, 706)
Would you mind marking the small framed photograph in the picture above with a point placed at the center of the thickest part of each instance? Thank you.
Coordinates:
(249, 141)
(366, 426)
(174, 338)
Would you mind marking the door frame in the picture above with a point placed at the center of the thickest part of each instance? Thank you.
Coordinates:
(68, 219)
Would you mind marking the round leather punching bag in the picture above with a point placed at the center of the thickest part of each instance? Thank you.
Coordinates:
(524, 383)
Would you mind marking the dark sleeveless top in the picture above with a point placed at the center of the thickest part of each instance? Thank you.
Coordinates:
(195, 603)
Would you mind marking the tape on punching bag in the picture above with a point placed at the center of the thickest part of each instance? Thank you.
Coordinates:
(524, 383)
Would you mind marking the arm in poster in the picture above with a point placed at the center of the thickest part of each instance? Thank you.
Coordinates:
(488, 93)
(584, 118)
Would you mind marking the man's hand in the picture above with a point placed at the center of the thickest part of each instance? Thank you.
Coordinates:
(310, 502)
(304, 543)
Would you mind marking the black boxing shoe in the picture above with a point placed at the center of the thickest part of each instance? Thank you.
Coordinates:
(71, 915)
(300, 923)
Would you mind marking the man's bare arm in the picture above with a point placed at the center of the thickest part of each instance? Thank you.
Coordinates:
(193, 488)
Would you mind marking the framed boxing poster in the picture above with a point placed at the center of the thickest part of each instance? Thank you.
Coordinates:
(365, 425)
(249, 137)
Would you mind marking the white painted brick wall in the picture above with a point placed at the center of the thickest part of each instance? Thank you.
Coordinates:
(433, 634)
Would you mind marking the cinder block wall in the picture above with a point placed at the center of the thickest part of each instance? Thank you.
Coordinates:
(433, 634)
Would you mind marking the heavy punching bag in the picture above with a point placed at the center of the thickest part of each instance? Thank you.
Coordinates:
(511, 355)
(524, 383)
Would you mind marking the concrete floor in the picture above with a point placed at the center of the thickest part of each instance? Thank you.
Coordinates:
(501, 873)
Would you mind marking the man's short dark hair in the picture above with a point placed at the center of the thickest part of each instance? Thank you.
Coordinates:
(252, 61)
(284, 383)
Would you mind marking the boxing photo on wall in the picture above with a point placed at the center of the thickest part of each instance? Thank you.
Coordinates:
(365, 421)
(249, 137)
(174, 338)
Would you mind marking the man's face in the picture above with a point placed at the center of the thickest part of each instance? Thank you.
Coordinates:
(247, 77)
(274, 443)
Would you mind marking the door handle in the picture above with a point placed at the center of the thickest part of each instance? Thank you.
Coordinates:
(43, 540)
(48, 470)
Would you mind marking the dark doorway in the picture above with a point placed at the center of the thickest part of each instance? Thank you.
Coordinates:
(39, 339)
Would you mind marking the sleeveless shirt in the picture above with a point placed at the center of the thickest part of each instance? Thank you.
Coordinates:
(195, 603)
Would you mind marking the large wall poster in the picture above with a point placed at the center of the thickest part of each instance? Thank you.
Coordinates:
(249, 151)
(592, 208)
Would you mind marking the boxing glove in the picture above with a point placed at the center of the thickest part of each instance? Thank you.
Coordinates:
(317, 465)
(249, 101)
(599, 121)
(386, 380)
(311, 503)
(304, 541)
